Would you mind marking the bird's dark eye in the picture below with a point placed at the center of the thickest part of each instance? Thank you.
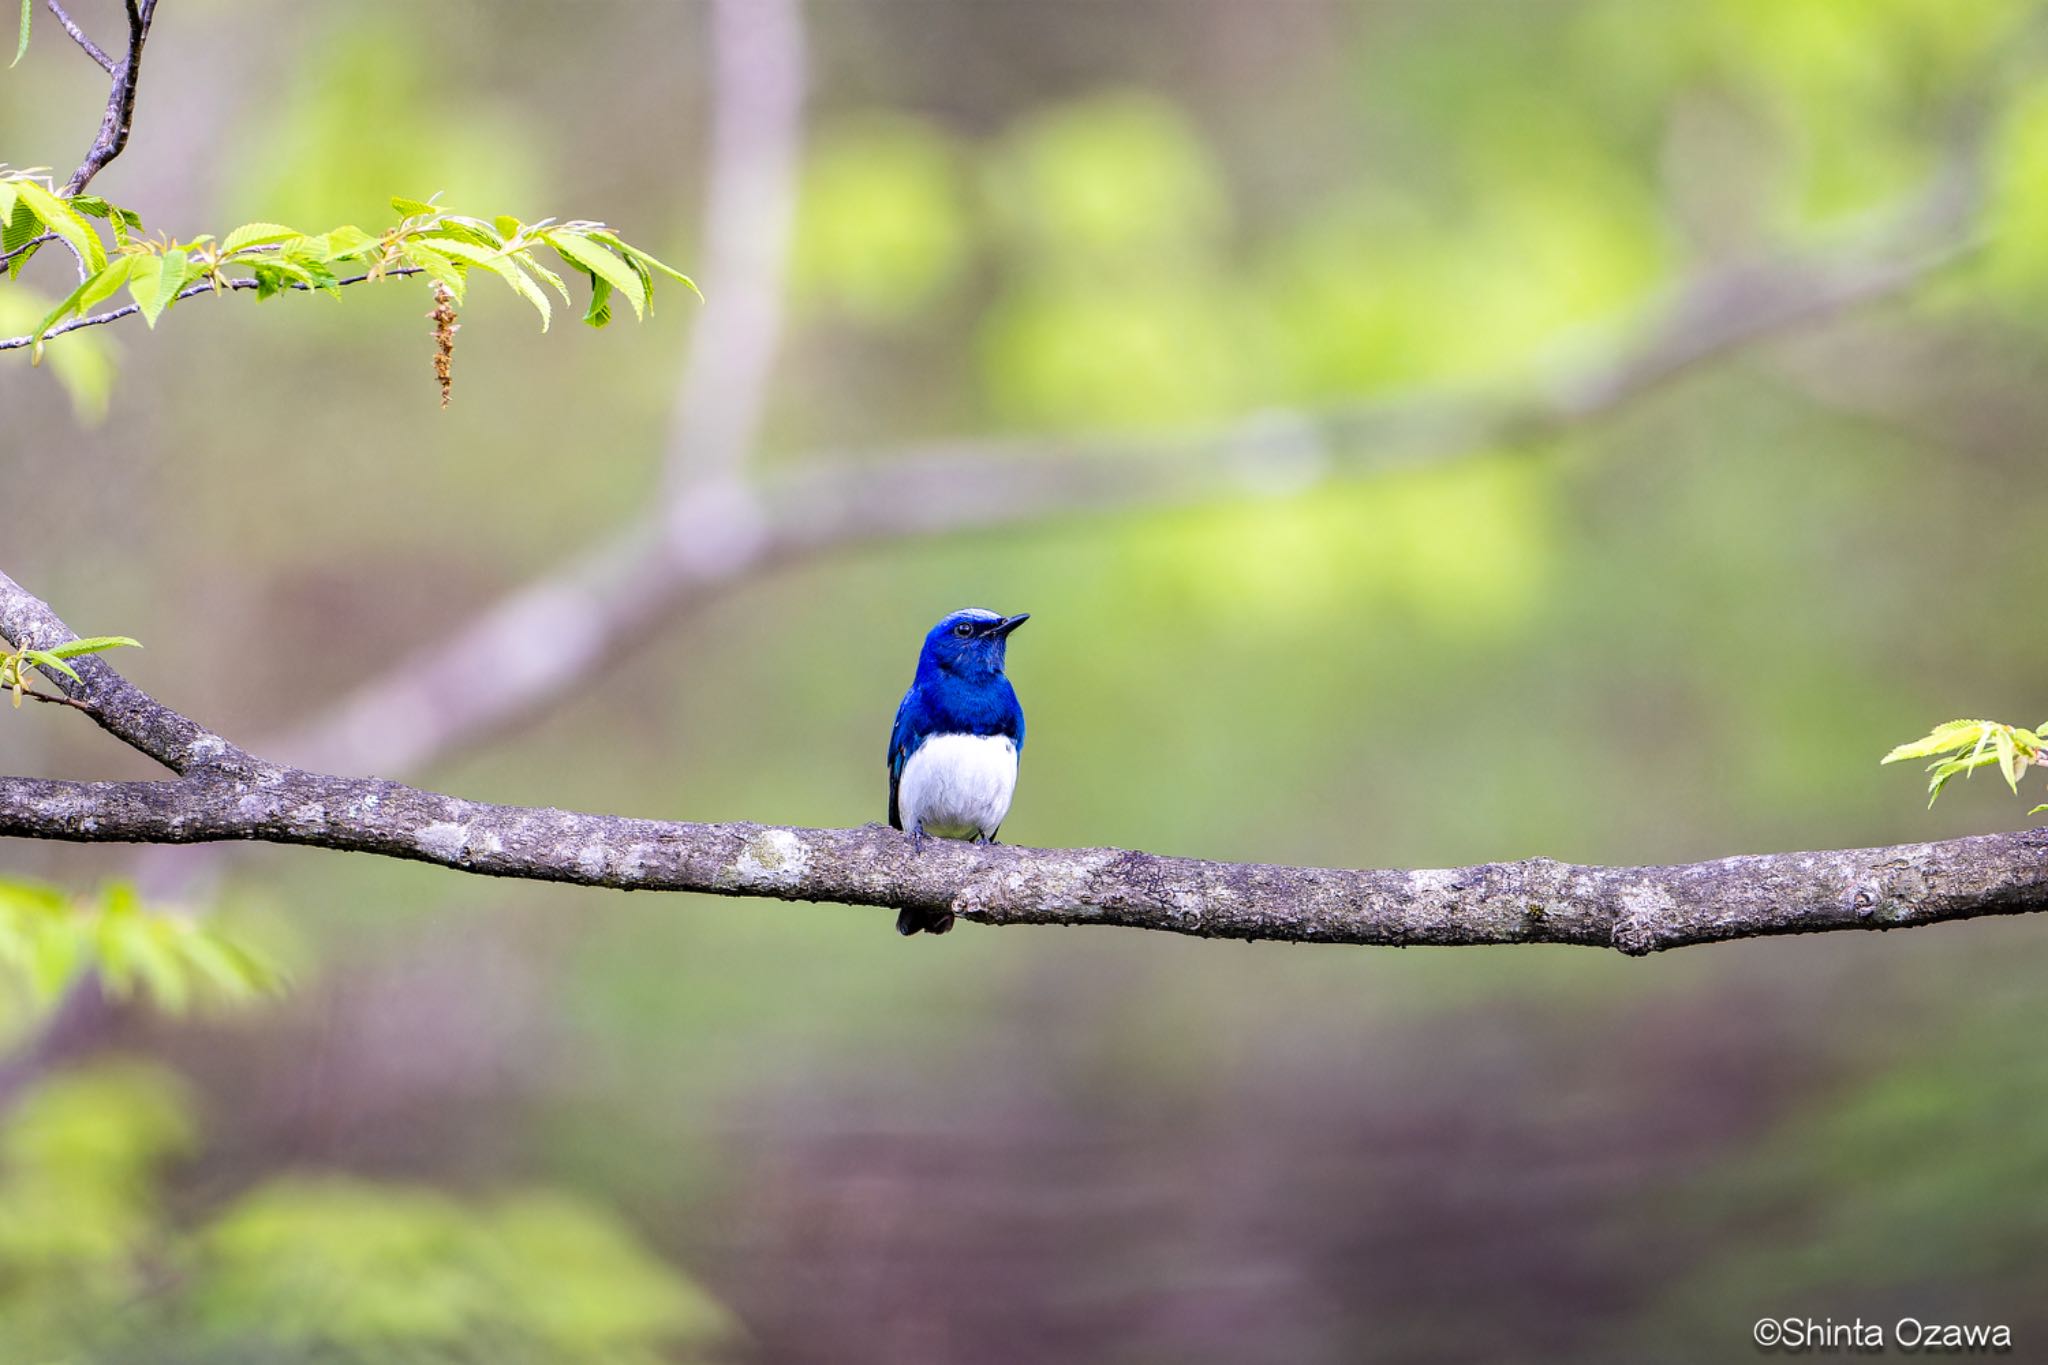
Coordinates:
(963, 630)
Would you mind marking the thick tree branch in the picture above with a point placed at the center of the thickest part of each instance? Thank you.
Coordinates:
(229, 795)
(1634, 909)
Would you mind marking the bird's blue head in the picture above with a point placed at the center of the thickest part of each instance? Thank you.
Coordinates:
(970, 644)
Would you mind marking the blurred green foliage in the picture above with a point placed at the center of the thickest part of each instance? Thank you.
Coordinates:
(382, 117)
(50, 941)
(885, 229)
(95, 1265)
(84, 369)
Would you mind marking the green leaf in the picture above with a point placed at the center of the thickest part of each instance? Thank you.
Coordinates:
(522, 284)
(526, 259)
(154, 282)
(324, 280)
(61, 219)
(501, 264)
(507, 227)
(634, 253)
(27, 6)
(257, 234)
(67, 306)
(348, 241)
(310, 272)
(106, 284)
(595, 260)
(2008, 757)
(413, 208)
(196, 270)
(20, 228)
(458, 247)
(145, 286)
(467, 230)
(93, 644)
(646, 280)
(309, 250)
(438, 266)
(125, 223)
(45, 659)
(600, 311)
(1954, 734)
(281, 271)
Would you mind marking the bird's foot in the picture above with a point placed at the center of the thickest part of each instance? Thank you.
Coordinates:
(917, 838)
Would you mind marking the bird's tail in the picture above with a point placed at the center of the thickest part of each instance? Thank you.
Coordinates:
(910, 920)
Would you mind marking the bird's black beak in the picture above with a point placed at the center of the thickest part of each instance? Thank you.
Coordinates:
(1009, 623)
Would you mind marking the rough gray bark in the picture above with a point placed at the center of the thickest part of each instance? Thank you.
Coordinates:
(223, 793)
(1634, 909)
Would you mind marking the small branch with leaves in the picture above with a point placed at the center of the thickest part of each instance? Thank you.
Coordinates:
(14, 667)
(1960, 747)
(270, 259)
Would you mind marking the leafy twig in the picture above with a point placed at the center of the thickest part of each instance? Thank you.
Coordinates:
(14, 667)
(271, 258)
(1961, 747)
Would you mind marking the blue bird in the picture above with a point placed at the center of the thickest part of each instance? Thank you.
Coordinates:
(953, 751)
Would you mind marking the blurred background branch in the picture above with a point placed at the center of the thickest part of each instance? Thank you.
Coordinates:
(714, 529)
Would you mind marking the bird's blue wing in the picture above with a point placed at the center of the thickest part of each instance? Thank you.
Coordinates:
(903, 738)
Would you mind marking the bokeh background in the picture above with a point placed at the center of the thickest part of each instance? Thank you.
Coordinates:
(521, 1123)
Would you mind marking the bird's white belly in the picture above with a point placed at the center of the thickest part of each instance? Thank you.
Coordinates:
(958, 786)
